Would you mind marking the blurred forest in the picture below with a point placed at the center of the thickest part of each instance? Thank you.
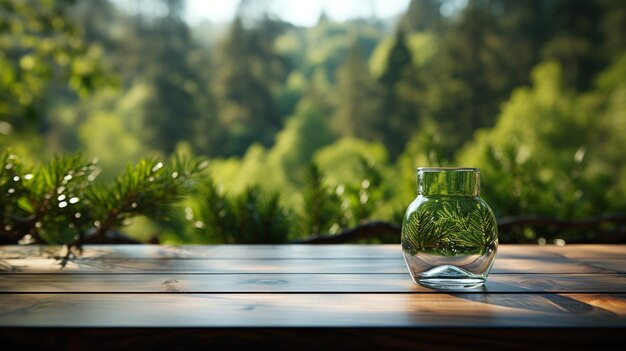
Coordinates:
(314, 130)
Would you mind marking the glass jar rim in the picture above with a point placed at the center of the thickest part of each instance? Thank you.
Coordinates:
(448, 169)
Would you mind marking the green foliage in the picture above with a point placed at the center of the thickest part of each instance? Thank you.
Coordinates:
(47, 203)
(357, 104)
(250, 217)
(422, 15)
(466, 96)
(38, 45)
(59, 201)
(449, 226)
(171, 112)
(107, 130)
(344, 187)
(420, 231)
(12, 176)
(321, 211)
(399, 82)
(282, 165)
(424, 149)
(234, 174)
(303, 134)
(550, 151)
(362, 200)
(367, 100)
(518, 157)
(244, 86)
(473, 229)
(328, 43)
(150, 188)
(605, 164)
(359, 171)
(215, 212)
(342, 159)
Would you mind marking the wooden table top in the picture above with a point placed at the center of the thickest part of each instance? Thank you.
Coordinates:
(356, 295)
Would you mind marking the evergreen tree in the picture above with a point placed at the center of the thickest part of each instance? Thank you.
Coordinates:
(576, 40)
(613, 25)
(357, 98)
(247, 70)
(472, 75)
(399, 115)
(170, 114)
(422, 15)
(522, 27)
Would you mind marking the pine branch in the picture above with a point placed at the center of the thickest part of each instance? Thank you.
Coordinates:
(14, 220)
(150, 188)
(274, 219)
(321, 205)
(250, 217)
(44, 202)
(448, 228)
(215, 210)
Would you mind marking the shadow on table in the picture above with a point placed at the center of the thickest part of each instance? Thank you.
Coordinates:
(531, 300)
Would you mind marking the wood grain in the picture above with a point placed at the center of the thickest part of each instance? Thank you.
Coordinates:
(577, 251)
(305, 297)
(303, 266)
(313, 310)
(297, 283)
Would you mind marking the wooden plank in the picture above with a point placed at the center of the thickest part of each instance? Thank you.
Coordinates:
(558, 265)
(225, 266)
(276, 283)
(286, 251)
(574, 251)
(313, 310)
(577, 251)
(303, 266)
(591, 251)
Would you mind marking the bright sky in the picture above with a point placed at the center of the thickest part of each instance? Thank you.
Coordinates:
(302, 12)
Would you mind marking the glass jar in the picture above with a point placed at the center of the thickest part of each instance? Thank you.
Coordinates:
(449, 234)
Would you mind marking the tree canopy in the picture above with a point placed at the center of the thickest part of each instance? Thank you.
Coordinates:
(321, 127)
